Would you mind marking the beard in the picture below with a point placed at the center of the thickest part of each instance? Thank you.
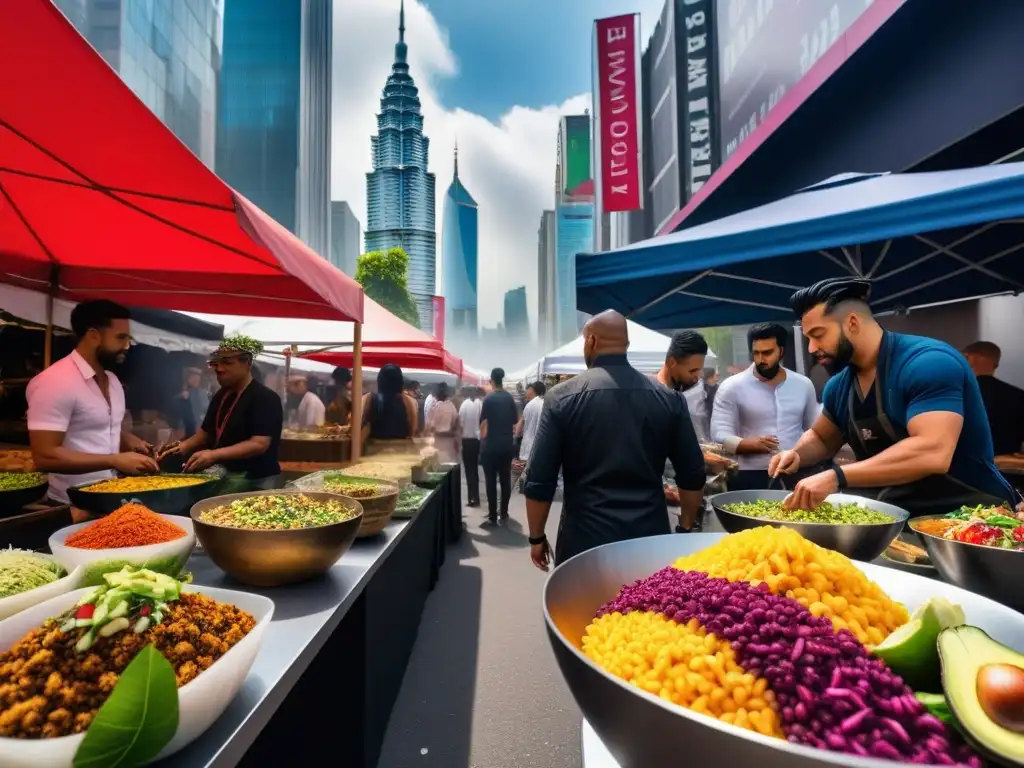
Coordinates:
(109, 359)
(768, 371)
(842, 357)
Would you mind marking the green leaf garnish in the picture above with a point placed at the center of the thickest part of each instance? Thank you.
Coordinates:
(139, 718)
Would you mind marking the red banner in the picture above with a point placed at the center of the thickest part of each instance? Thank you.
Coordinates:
(438, 302)
(618, 112)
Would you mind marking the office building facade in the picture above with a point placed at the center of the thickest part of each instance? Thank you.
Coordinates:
(274, 117)
(546, 312)
(459, 255)
(574, 218)
(168, 52)
(517, 318)
(345, 237)
(399, 190)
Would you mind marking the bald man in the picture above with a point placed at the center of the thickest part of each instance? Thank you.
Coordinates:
(610, 431)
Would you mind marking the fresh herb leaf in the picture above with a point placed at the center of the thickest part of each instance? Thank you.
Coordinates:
(138, 719)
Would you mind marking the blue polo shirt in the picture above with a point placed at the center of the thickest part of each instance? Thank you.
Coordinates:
(928, 375)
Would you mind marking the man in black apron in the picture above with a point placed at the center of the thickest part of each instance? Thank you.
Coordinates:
(908, 406)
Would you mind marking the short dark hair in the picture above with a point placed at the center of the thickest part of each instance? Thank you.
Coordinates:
(341, 375)
(410, 384)
(538, 388)
(686, 343)
(497, 376)
(763, 331)
(831, 293)
(98, 314)
(441, 391)
(987, 349)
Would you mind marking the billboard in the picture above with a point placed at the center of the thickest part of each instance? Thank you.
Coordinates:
(764, 48)
(619, 174)
(699, 35)
(576, 160)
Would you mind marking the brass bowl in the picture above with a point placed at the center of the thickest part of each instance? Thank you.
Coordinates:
(273, 558)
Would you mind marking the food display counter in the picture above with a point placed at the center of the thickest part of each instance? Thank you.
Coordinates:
(336, 651)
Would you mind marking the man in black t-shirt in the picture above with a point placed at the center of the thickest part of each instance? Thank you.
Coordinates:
(498, 417)
(242, 428)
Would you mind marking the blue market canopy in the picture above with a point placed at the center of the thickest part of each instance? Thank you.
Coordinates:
(921, 238)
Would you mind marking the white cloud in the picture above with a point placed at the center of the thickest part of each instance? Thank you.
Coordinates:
(509, 167)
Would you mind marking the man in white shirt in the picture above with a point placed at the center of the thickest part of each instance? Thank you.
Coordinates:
(311, 411)
(76, 406)
(469, 421)
(531, 418)
(763, 410)
(684, 363)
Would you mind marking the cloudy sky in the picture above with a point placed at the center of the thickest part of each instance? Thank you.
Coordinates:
(495, 75)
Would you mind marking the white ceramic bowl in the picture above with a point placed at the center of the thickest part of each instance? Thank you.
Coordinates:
(200, 702)
(19, 602)
(149, 555)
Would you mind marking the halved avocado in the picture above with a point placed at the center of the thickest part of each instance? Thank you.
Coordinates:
(984, 685)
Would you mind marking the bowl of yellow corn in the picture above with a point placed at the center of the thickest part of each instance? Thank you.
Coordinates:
(166, 494)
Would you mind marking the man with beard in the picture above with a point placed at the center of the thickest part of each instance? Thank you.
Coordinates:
(76, 406)
(909, 407)
(683, 366)
(763, 409)
(610, 431)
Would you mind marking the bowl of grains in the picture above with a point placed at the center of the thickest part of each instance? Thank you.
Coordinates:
(378, 498)
(270, 538)
(858, 527)
(66, 688)
(167, 494)
(755, 647)
(131, 535)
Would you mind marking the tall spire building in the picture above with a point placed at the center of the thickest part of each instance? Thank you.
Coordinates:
(459, 256)
(399, 189)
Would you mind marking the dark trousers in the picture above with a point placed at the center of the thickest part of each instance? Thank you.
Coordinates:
(498, 469)
(471, 461)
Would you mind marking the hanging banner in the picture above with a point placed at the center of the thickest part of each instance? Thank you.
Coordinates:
(617, 104)
(438, 306)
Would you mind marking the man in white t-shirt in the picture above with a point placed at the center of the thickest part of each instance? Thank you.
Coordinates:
(76, 406)
(531, 418)
(311, 411)
(469, 421)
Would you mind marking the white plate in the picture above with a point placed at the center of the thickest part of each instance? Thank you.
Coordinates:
(19, 602)
(72, 557)
(200, 702)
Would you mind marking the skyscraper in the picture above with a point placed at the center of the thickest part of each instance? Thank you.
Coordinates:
(345, 237)
(168, 52)
(399, 190)
(459, 257)
(546, 313)
(274, 118)
(574, 218)
(517, 321)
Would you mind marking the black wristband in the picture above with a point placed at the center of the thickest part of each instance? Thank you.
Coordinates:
(841, 483)
(538, 540)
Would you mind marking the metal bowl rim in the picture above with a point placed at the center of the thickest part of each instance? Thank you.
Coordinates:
(208, 479)
(923, 566)
(293, 492)
(397, 488)
(926, 536)
(902, 517)
(710, 722)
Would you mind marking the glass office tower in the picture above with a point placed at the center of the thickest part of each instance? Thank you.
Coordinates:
(274, 118)
(459, 254)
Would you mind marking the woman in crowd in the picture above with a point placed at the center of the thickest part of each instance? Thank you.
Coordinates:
(389, 414)
(443, 419)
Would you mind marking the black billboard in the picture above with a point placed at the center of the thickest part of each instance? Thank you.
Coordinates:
(764, 48)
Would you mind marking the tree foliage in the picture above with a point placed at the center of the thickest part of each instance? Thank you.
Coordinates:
(383, 275)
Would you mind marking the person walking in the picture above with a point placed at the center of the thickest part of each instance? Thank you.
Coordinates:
(610, 430)
(762, 410)
(498, 417)
(469, 421)
(443, 418)
(530, 421)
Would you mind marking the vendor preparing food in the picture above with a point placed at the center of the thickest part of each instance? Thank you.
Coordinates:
(76, 406)
(242, 428)
(908, 406)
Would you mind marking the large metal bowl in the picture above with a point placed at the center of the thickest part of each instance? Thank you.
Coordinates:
(990, 571)
(273, 558)
(644, 731)
(165, 501)
(858, 542)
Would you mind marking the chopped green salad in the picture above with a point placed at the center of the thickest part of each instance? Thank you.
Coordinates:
(278, 512)
(832, 514)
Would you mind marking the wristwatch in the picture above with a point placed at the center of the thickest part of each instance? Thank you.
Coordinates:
(535, 540)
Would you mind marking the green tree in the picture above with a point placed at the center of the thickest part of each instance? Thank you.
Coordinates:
(383, 275)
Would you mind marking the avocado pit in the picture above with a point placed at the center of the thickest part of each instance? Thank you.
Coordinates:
(1001, 695)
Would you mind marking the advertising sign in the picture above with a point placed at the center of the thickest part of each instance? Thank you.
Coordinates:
(577, 153)
(764, 48)
(698, 52)
(617, 102)
(438, 308)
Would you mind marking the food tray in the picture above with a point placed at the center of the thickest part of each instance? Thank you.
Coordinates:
(377, 510)
(165, 501)
(12, 502)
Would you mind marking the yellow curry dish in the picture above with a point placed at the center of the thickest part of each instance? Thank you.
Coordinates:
(145, 483)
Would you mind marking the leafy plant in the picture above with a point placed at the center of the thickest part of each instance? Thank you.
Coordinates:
(384, 277)
(138, 719)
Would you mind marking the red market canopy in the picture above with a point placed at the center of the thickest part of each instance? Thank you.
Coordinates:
(98, 199)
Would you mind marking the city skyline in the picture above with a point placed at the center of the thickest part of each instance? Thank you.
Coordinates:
(459, 259)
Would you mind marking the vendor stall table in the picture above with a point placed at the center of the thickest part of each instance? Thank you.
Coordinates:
(335, 653)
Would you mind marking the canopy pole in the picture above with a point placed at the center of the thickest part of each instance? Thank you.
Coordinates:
(356, 430)
(287, 366)
(48, 334)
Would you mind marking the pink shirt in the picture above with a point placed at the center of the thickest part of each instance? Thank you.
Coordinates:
(442, 417)
(66, 398)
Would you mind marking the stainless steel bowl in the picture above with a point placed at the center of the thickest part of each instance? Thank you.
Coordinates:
(989, 571)
(644, 731)
(858, 542)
